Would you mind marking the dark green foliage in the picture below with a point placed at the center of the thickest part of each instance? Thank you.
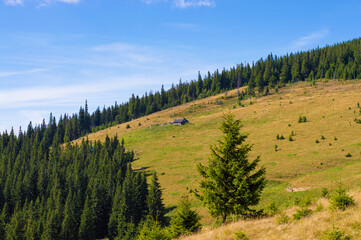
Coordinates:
(127, 126)
(152, 230)
(317, 141)
(302, 119)
(230, 184)
(282, 137)
(348, 155)
(300, 213)
(185, 220)
(339, 199)
(303, 203)
(69, 192)
(154, 201)
(290, 138)
(358, 121)
(322, 137)
(324, 193)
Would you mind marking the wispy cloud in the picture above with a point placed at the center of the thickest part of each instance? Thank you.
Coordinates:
(185, 3)
(193, 3)
(40, 2)
(10, 74)
(310, 39)
(52, 95)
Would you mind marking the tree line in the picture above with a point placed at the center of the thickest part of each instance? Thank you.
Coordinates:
(339, 61)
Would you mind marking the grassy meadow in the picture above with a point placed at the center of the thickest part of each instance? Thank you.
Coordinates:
(329, 107)
(323, 223)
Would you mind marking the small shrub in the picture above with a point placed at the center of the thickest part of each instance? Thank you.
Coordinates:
(276, 148)
(290, 138)
(293, 134)
(325, 193)
(303, 202)
(271, 209)
(302, 213)
(304, 119)
(139, 124)
(335, 139)
(127, 126)
(282, 137)
(330, 144)
(278, 137)
(289, 125)
(299, 119)
(322, 137)
(319, 208)
(317, 141)
(348, 155)
(340, 199)
(240, 235)
(282, 218)
(336, 234)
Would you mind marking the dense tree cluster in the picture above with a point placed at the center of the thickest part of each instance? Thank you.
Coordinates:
(86, 191)
(340, 61)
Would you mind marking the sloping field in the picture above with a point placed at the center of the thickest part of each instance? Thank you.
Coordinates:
(321, 224)
(302, 164)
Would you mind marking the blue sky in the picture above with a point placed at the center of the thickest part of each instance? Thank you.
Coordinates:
(54, 54)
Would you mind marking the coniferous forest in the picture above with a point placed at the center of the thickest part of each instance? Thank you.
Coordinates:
(340, 61)
(50, 189)
(86, 191)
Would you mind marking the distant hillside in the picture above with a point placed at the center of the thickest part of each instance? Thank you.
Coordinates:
(339, 61)
(332, 111)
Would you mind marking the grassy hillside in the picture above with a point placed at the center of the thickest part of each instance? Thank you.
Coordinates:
(330, 109)
(321, 224)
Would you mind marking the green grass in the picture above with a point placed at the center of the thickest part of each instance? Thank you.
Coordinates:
(176, 150)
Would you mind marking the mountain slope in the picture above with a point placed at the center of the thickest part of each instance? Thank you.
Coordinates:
(330, 109)
(319, 225)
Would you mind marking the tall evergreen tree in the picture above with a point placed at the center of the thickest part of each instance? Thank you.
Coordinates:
(155, 204)
(230, 184)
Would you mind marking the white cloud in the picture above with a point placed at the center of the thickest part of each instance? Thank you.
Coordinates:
(185, 3)
(40, 2)
(10, 74)
(14, 2)
(310, 39)
(193, 3)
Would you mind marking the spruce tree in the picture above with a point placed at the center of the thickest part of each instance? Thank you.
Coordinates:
(230, 184)
(155, 201)
(185, 219)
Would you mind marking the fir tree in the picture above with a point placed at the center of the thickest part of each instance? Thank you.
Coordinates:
(185, 220)
(154, 201)
(230, 183)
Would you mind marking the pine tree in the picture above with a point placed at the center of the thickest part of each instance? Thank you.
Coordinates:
(69, 224)
(230, 185)
(185, 219)
(87, 224)
(155, 201)
(152, 230)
